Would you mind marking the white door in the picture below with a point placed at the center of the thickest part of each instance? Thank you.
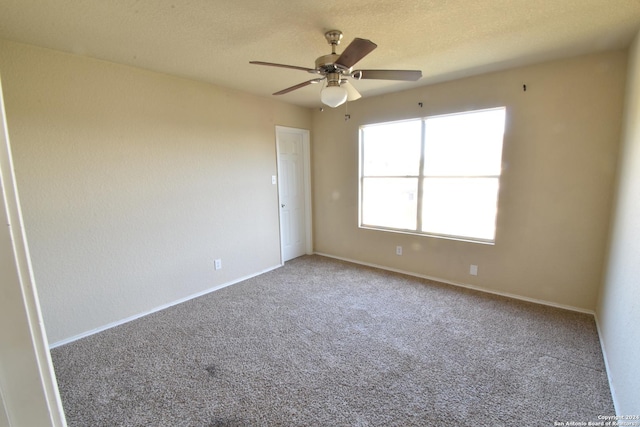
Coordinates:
(292, 190)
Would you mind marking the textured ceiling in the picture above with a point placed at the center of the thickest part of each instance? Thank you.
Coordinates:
(214, 40)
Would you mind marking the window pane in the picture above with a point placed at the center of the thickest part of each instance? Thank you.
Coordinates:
(465, 144)
(392, 149)
(390, 202)
(464, 207)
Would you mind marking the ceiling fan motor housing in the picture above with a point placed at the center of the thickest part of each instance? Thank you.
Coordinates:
(326, 64)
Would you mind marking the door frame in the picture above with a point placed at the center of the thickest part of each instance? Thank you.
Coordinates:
(29, 392)
(306, 153)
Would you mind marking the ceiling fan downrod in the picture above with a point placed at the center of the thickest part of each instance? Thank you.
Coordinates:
(333, 38)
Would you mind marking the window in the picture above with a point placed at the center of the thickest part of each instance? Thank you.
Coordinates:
(437, 176)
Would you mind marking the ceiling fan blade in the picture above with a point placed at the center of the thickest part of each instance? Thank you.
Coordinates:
(293, 67)
(352, 93)
(357, 49)
(408, 75)
(298, 86)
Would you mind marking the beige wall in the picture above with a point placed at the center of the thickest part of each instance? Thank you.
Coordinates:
(133, 182)
(618, 310)
(559, 157)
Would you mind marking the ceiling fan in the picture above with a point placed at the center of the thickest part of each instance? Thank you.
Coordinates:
(337, 68)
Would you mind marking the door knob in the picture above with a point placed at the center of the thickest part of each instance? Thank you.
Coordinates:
(282, 205)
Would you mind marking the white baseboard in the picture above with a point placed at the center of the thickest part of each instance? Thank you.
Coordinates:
(224, 285)
(606, 366)
(156, 309)
(463, 285)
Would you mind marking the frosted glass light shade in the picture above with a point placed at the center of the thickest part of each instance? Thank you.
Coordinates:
(333, 96)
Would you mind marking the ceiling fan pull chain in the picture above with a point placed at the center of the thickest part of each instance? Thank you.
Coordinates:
(347, 116)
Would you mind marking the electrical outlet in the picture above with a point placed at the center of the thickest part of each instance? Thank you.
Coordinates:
(398, 250)
(473, 270)
(274, 180)
(218, 264)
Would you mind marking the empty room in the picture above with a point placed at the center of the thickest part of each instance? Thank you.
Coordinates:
(260, 213)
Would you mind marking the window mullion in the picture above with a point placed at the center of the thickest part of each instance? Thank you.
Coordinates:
(420, 176)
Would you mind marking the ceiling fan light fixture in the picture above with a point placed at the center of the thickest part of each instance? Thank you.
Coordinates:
(333, 96)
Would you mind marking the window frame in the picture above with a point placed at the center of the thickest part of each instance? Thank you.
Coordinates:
(422, 177)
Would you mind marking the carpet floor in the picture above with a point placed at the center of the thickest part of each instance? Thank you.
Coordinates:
(321, 342)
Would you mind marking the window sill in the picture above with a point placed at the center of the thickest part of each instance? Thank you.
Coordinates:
(436, 236)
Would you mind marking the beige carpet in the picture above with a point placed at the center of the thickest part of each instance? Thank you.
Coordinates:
(321, 342)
